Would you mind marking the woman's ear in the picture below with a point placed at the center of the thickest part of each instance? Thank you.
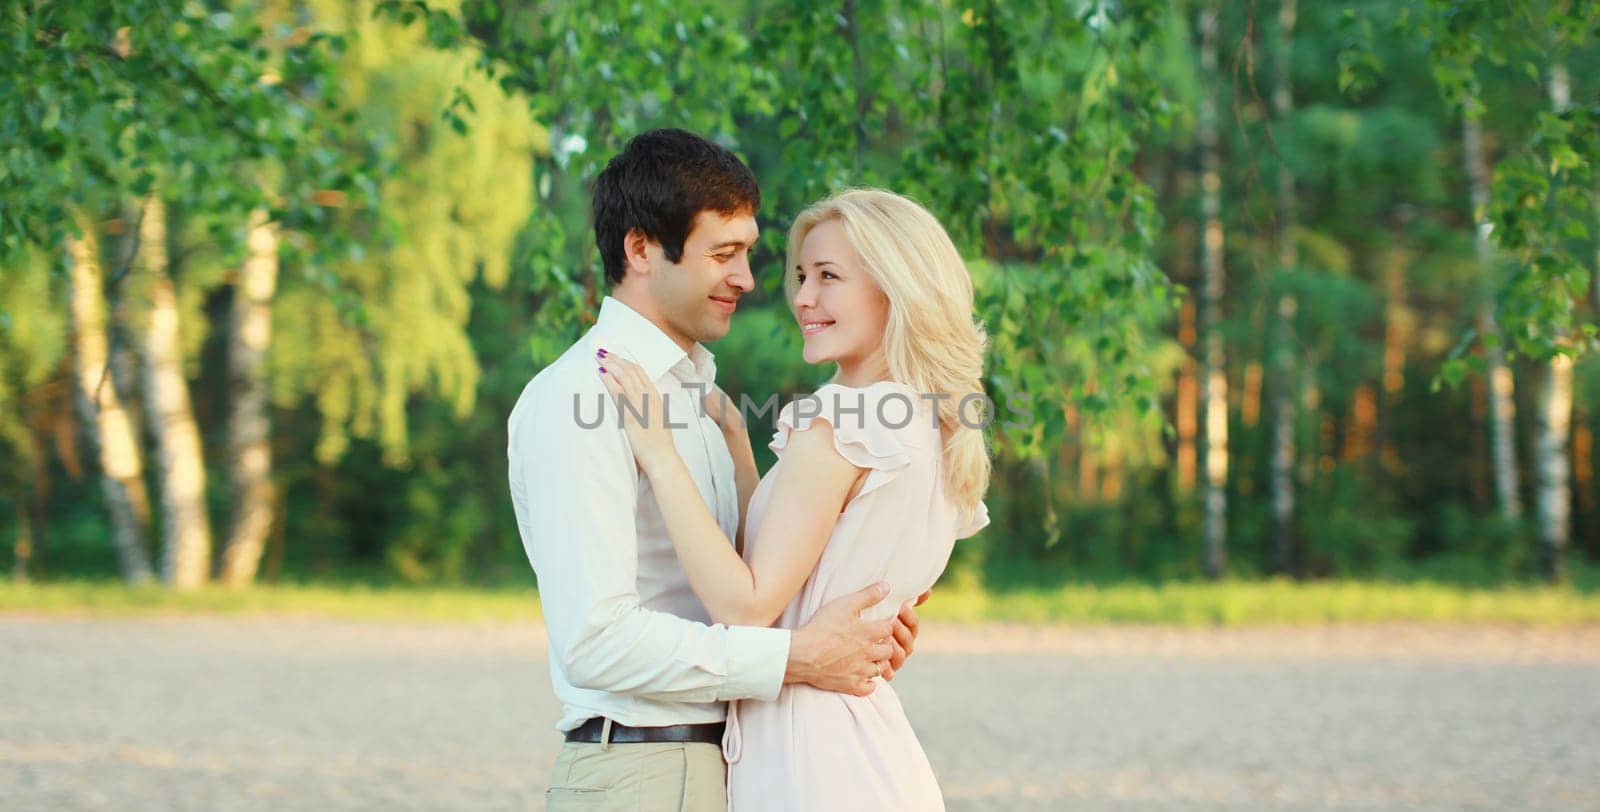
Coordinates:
(636, 251)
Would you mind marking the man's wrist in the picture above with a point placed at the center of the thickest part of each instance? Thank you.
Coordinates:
(810, 651)
(759, 664)
(798, 668)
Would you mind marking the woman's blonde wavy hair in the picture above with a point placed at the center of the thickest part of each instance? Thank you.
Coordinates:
(932, 341)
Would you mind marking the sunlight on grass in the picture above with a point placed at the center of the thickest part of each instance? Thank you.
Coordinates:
(347, 602)
(1233, 603)
(1229, 603)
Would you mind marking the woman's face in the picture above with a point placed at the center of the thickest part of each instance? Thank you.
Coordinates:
(841, 310)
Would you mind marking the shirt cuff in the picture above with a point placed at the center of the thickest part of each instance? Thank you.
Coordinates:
(757, 661)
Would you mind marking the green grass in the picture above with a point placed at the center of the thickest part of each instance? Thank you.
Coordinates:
(1230, 603)
(339, 601)
(1243, 603)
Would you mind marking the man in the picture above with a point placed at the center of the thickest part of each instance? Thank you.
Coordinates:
(642, 675)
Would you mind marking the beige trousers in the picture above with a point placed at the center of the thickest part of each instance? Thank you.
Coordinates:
(666, 777)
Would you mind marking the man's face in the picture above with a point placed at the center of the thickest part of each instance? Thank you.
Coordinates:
(697, 296)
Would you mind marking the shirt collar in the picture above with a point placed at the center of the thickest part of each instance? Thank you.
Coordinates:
(646, 345)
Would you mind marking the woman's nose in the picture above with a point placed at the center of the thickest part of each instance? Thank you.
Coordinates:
(806, 295)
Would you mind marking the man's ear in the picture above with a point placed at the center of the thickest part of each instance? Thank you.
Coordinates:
(635, 251)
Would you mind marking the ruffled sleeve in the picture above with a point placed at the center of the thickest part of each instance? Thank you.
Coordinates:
(979, 520)
(860, 433)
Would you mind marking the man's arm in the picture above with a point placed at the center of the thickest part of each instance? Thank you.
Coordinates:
(838, 651)
(571, 481)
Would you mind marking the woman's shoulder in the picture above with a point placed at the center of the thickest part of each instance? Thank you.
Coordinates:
(877, 428)
(888, 409)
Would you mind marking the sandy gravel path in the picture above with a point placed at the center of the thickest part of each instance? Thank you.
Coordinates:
(277, 713)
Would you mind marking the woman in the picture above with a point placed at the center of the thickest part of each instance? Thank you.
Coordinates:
(878, 474)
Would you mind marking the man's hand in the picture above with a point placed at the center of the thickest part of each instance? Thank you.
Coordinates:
(906, 625)
(837, 650)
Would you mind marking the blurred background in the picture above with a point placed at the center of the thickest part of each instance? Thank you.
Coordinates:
(1301, 298)
(1303, 291)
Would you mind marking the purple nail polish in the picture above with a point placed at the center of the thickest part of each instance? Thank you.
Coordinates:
(602, 370)
(601, 352)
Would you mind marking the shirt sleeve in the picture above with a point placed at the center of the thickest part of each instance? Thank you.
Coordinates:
(578, 489)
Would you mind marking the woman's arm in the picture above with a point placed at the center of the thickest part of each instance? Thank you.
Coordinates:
(736, 434)
(744, 473)
(811, 488)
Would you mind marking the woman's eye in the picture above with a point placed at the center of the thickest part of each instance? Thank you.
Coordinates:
(829, 275)
(800, 278)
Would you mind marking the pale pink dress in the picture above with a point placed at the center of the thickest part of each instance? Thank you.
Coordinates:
(817, 751)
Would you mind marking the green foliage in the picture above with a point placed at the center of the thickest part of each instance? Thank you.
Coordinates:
(34, 335)
(450, 216)
(1355, 530)
(1017, 126)
(105, 103)
(429, 168)
(1545, 194)
(1545, 200)
(1476, 549)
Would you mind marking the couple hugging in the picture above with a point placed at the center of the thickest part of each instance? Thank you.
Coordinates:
(720, 639)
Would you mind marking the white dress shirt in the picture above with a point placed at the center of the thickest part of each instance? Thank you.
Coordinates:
(628, 638)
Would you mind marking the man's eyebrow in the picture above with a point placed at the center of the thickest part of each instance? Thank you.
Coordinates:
(736, 244)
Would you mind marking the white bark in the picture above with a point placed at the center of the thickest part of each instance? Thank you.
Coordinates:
(1213, 280)
(1502, 387)
(1554, 467)
(249, 429)
(120, 332)
(110, 432)
(1551, 463)
(186, 530)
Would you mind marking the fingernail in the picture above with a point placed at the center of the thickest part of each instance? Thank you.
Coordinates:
(880, 589)
(601, 352)
(602, 370)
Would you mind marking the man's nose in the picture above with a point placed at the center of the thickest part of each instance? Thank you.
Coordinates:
(742, 279)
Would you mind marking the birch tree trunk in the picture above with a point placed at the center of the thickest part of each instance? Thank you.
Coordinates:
(1551, 463)
(249, 429)
(111, 434)
(120, 332)
(1502, 388)
(1187, 409)
(1283, 395)
(186, 531)
(1213, 279)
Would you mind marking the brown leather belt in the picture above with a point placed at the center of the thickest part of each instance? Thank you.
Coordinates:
(622, 734)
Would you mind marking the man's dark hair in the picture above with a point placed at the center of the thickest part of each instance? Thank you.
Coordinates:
(659, 182)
